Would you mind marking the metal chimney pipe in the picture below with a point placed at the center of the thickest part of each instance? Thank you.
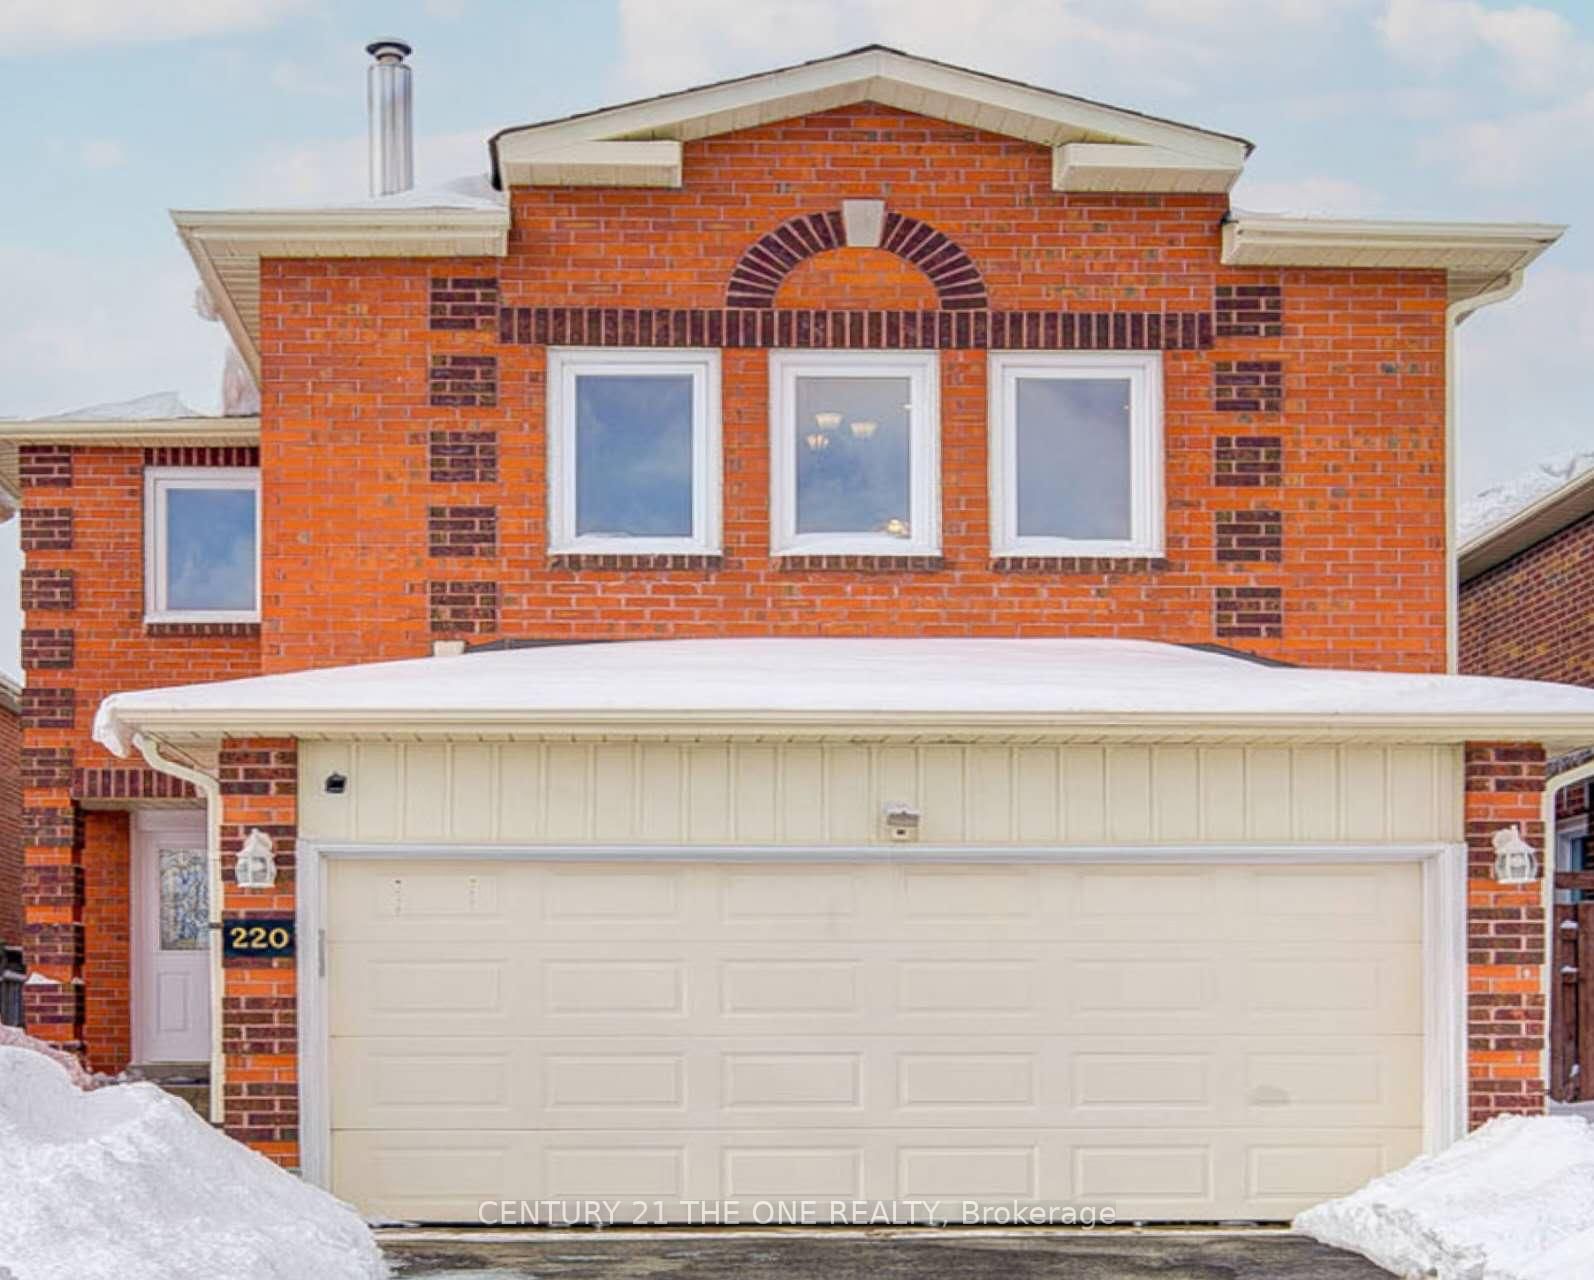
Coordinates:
(388, 104)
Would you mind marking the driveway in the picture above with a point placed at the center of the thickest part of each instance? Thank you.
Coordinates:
(886, 1255)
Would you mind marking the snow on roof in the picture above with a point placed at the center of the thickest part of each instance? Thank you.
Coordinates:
(1034, 683)
(1493, 506)
(473, 191)
(151, 408)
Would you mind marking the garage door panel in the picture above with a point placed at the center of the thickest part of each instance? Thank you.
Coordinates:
(1177, 1041)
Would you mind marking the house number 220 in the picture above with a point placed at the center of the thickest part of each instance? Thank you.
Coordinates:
(258, 936)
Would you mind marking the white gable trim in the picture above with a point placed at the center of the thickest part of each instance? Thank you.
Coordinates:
(879, 75)
(1110, 166)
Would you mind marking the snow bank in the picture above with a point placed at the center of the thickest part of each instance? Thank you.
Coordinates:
(12, 1038)
(1513, 1201)
(128, 1182)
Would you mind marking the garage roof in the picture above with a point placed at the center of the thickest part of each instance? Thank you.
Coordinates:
(1017, 688)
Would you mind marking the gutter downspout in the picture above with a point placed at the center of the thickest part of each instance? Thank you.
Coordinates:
(1455, 313)
(210, 788)
(1553, 787)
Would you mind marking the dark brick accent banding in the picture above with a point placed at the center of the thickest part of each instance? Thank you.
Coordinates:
(860, 564)
(58, 944)
(463, 302)
(663, 563)
(52, 1004)
(259, 1024)
(202, 455)
(245, 770)
(1080, 564)
(54, 885)
(465, 382)
(1248, 536)
(1249, 310)
(1248, 386)
(1247, 461)
(1248, 612)
(47, 648)
(944, 330)
(47, 768)
(175, 629)
(462, 531)
(48, 826)
(128, 782)
(463, 608)
(463, 457)
(44, 707)
(45, 466)
(48, 590)
(46, 528)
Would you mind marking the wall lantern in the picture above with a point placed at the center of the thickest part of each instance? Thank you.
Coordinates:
(257, 862)
(1514, 859)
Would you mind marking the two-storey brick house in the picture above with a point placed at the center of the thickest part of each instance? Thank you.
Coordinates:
(1040, 780)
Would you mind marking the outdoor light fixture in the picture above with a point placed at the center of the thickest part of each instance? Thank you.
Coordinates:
(257, 862)
(1514, 859)
(901, 822)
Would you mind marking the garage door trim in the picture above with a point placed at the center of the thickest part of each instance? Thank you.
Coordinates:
(1443, 935)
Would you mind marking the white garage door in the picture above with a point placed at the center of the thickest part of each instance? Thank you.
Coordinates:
(1176, 1042)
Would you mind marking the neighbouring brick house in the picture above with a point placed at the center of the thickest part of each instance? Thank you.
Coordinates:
(1527, 609)
(1049, 789)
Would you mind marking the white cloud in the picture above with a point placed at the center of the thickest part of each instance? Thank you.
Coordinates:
(102, 153)
(28, 26)
(1536, 49)
(1317, 194)
(1511, 151)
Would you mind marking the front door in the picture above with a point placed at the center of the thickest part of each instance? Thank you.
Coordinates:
(171, 1003)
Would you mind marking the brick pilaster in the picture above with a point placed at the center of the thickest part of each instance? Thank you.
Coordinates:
(1506, 1014)
(259, 790)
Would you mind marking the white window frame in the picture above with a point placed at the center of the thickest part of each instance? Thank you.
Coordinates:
(158, 482)
(922, 369)
(1144, 372)
(565, 365)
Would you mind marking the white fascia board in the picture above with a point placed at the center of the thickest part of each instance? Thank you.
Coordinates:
(1253, 240)
(872, 74)
(591, 164)
(192, 724)
(97, 431)
(1129, 167)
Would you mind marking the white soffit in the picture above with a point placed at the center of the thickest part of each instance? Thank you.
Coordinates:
(592, 164)
(1107, 166)
(873, 74)
(227, 247)
(1476, 255)
(139, 432)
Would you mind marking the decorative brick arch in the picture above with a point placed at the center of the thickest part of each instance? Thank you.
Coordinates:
(767, 262)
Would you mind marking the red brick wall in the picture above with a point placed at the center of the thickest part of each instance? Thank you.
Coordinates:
(1506, 1016)
(349, 413)
(1533, 615)
(84, 585)
(10, 822)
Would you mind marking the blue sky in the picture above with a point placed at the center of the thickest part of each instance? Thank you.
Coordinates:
(117, 110)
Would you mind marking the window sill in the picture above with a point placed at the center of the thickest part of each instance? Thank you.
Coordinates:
(158, 627)
(1079, 564)
(699, 561)
(860, 563)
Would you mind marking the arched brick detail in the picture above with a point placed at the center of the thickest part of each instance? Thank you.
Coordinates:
(757, 276)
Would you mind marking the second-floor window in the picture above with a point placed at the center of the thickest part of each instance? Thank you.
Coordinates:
(855, 453)
(1076, 454)
(202, 544)
(634, 452)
